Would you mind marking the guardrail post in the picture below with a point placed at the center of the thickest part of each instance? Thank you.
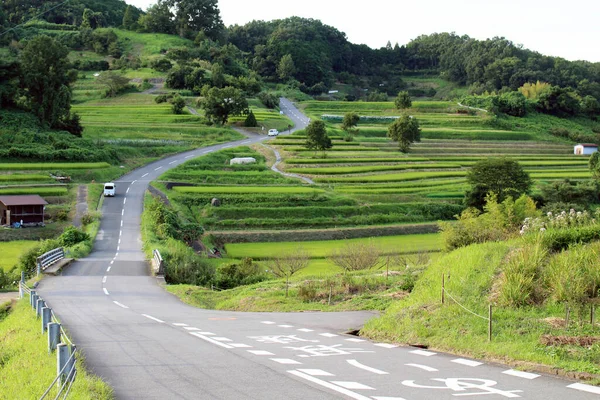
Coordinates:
(70, 370)
(53, 336)
(38, 268)
(38, 308)
(46, 318)
(33, 299)
(21, 283)
(62, 357)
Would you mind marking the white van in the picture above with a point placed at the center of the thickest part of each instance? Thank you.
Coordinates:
(109, 189)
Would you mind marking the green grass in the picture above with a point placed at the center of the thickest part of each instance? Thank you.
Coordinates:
(11, 251)
(397, 177)
(246, 189)
(372, 168)
(322, 249)
(42, 191)
(149, 44)
(27, 369)
(23, 178)
(51, 166)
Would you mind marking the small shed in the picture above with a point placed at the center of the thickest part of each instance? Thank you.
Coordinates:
(242, 160)
(29, 209)
(585, 148)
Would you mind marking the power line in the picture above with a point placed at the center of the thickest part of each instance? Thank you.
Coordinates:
(34, 17)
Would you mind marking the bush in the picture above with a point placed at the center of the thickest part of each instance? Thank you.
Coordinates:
(250, 121)
(27, 261)
(88, 218)
(270, 100)
(71, 236)
(177, 104)
(245, 273)
(184, 266)
(161, 65)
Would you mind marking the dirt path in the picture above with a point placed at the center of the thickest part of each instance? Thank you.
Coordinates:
(82, 206)
(289, 175)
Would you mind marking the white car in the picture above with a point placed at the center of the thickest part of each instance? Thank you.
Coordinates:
(109, 189)
(273, 132)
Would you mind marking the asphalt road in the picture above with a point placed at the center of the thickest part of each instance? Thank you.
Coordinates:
(148, 345)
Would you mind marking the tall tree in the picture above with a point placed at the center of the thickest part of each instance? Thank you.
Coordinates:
(403, 101)
(501, 176)
(350, 122)
(316, 136)
(286, 67)
(405, 130)
(46, 76)
(158, 19)
(128, 18)
(219, 104)
(193, 16)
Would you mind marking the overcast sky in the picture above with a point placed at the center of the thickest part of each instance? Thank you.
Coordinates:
(567, 29)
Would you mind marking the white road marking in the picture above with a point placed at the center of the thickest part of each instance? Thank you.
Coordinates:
(285, 326)
(189, 156)
(305, 330)
(328, 334)
(226, 147)
(133, 182)
(355, 340)
(120, 305)
(121, 232)
(285, 361)
(156, 169)
(245, 142)
(261, 352)
(356, 364)
(330, 386)
(127, 191)
(469, 363)
(122, 212)
(315, 372)
(386, 345)
(352, 385)
(520, 374)
(173, 162)
(119, 240)
(145, 175)
(585, 388)
(388, 398)
(153, 319)
(239, 345)
(121, 222)
(118, 248)
(116, 254)
(108, 269)
(222, 339)
(191, 328)
(207, 333)
(423, 353)
(125, 201)
(105, 291)
(104, 279)
(423, 367)
(179, 324)
(209, 340)
(267, 322)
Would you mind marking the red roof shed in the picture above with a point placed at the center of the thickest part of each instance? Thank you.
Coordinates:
(27, 209)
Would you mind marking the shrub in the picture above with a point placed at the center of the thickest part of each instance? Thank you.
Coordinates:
(183, 266)
(270, 100)
(88, 218)
(177, 104)
(71, 236)
(245, 273)
(250, 121)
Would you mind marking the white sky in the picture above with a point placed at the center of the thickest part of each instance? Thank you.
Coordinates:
(567, 29)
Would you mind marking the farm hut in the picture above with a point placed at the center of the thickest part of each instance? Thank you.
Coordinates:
(242, 160)
(28, 209)
(585, 148)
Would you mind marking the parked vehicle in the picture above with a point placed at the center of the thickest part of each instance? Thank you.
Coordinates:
(273, 132)
(109, 189)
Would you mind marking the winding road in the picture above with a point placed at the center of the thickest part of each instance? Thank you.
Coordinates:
(148, 345)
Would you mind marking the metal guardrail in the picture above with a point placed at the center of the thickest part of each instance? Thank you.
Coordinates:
(66, 354)
(159, 265)
(49, 258)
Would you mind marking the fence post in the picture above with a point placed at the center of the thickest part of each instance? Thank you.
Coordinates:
(38, 267)
(443, 288)
(70, 372)
(21, 283)
(330, 293)
(490, 323)
(567, 316)
(34, 299)
(38, 308)
(53, 336)
(62, 357)
(46, 318)
(593, 315)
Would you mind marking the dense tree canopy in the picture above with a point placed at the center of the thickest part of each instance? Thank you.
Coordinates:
(405, 130)
(316, 136)
(219, 104)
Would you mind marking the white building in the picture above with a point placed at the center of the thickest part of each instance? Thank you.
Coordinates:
(585, 148)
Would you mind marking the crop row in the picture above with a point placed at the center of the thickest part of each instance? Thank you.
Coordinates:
(51, 166)
(246, 189)
(24, 178)
(371, 168)
(42, 191)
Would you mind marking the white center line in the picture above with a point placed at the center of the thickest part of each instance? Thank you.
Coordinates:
(315, 372)
(121, 222)
(104, 279)
(122, 212)
(179, 324)
(386, 345)
(116, 254)
(105, 291)
(124, 200)
(120, 305)
(328, 385)
(133, 182)
(121, 233)
(352, 385)
(173, 162)
(145, 175)
(189, 156)
(108, 269)
(112, 262)
(520, 374)
(154, 319)
(119, 240)
(226, 147)
(198, 335)
(118, 248)
(156, 169)
(285, 361)
(127, 191)
(356, 364)
(267, 322)
(423, 353)
(261, 352)
(423, 367)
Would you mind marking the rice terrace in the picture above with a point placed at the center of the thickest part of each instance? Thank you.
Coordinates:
(268, 210)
